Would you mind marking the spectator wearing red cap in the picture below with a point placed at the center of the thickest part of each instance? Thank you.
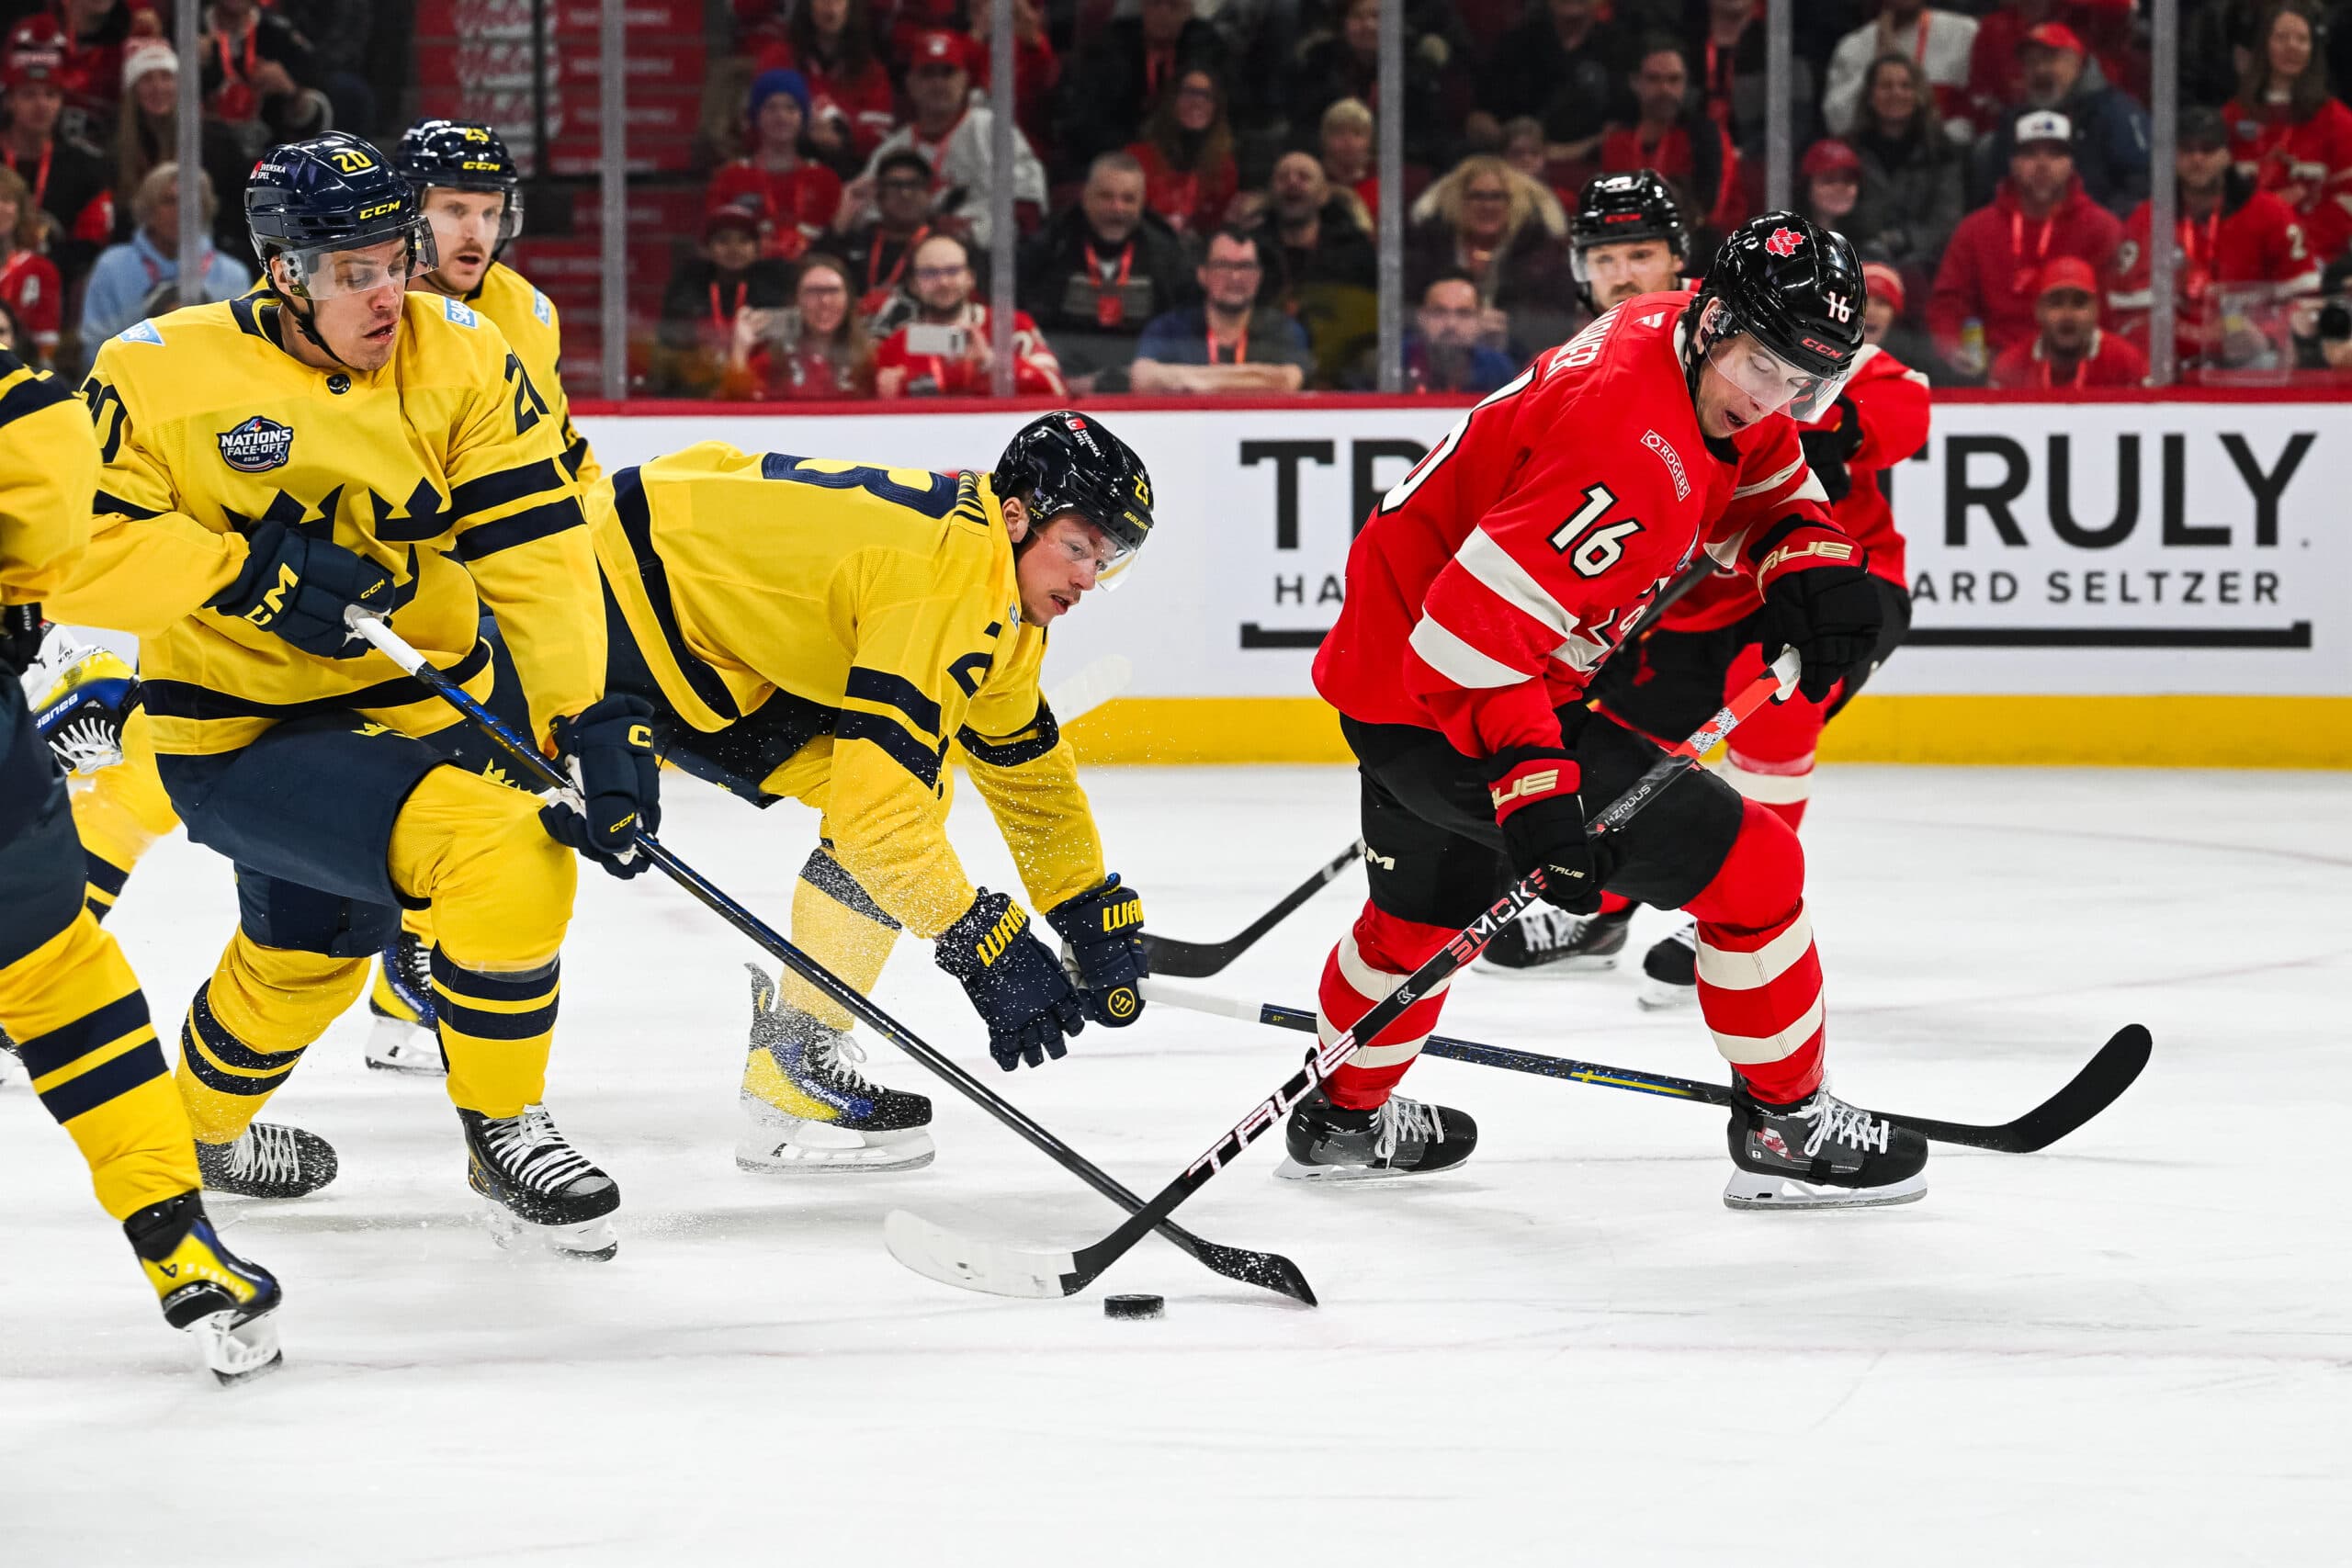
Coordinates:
(2110, 131)
(29, 286)
(952, 130)
(1997, 72)
(1884, 322)
(2067, 351)
(68, 179)
(2239, 255)
(2289, 132)
(1832, 192)
(1121, 75)
(2039, 215)
(1939, 40)
(90, 36)
(797, 199)
(1911, 173)
(1674, 136)
(851, 104)
(705, 294)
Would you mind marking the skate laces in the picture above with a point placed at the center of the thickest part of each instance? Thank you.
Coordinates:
(267, 1153)
(1687, 934)
(531, 1148)
(842, 1057)
(1834, 1120)
(1399, 1118)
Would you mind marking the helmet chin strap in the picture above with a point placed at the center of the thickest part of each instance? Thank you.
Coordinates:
(306, 319)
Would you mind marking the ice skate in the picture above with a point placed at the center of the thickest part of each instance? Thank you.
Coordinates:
(1403, 1137)
(207, 1290)
(268, 1161)
(541, 1190)
(812, 1109)
(1820, 1152)
(1670, 969)
(405, 1038)
(1553, 942)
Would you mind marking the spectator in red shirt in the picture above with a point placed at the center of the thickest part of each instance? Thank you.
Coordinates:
(2238, 257)
(1188, 175)
(1035, 70)
(1681, 144)
(942, 348)
(815, 349)
(2039, 215)
(851, 106)
(28, 282)
(68, 181)
(93, 33)
(797, 199)
(2068, 351)
(1997, 73)
(1345, 137)
(2289, 132)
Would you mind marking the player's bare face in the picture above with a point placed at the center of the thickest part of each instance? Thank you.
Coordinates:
(465, 230)
(1620, 271)
(1069, 557)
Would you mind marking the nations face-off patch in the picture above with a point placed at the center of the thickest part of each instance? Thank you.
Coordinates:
(257, 445)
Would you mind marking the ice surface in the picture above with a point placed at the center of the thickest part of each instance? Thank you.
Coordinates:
(2135, 1348)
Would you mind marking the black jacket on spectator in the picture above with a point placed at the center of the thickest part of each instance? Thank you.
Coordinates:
(1091, 321)
(1105, 97)
(700, 297)
(1912, 194)
(1343, 255)
(1531, 281)
(278, 40)
(78, 177)
(1748, 121)
(1574, 95)
(1328, 71)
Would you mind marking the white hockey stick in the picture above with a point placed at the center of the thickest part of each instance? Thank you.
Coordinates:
(1096, 683)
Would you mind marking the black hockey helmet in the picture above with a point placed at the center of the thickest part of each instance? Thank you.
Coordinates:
(1639, 206)
(1797, 289)
(462, 154)
(1067, 461)
(308, 200)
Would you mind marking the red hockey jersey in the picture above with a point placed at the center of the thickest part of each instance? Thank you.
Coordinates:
(1891, 401)
(2251, 239)
(1489, 584)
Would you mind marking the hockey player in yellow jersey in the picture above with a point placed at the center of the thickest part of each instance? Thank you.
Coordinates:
(829, 631)
(65, 991)
(268, 463)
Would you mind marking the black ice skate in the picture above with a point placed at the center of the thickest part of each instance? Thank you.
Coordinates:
(1670, 969)
(1820, 1152)
(1553, 939)
(206, 1289)
(1404, 1137)
(268, 1161)
(405, 1038)
(540, 1189)
(813, 1109)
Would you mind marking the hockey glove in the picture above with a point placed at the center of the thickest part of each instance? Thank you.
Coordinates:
(1829, 447)
(1104, 931)
(21, 634)
(1822, 601)
(608, 748)
(298, 587)
(1534, 792)
(81, 697)
(1012, 980)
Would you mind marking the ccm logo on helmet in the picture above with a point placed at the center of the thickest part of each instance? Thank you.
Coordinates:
(1784, 242)
(378, 211)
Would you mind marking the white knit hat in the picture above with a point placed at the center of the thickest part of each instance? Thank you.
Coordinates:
(142, 55)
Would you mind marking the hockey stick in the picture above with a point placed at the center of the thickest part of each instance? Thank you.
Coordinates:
(1098, 682)
(1199, 960)
(1005, 1271)
(2101, 1081)
(1270, 1270)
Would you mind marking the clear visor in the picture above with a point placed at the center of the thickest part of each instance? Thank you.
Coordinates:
(1619, 261)
(492, 230)
(1111, 558)
(1770, 382)
(329, 272)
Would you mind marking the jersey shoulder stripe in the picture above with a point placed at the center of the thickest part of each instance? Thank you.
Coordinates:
(25, 391)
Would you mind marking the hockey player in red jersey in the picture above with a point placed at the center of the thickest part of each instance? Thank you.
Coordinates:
(1483, 594)
(1712, 641)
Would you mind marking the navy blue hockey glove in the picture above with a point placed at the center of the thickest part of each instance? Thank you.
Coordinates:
(1535, 793)
(1104, 931)
(20, 633)
(1012, 981)
(297, 588)
(608, 748)
(1822, 602)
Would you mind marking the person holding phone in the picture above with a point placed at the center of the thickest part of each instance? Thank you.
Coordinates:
(944, 348)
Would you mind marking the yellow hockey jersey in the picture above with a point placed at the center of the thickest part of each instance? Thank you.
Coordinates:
(445, 466)
(536, 332)
(48, 465)
(885, 598)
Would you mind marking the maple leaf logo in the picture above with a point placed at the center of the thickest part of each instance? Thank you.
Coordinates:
(1784, 242)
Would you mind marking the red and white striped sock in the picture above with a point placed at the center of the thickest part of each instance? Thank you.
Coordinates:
(1371, 961)
(1781, 786)
(1759, 977)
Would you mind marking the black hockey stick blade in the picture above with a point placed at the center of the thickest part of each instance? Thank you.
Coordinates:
(1199, 960)
(1000, 1270)
(2101, 1082)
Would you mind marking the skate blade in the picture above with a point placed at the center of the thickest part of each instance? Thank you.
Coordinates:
(237, 1352)
(397, 1047)
(1748, 1189)
(1292, 1170)
(766, 1153)
(590, 1239)
(1659, 997)
(1583, 964)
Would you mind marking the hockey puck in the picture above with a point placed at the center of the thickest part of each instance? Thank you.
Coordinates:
(1134, 1306)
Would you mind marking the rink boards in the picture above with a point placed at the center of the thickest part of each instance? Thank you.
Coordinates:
(2158, 581)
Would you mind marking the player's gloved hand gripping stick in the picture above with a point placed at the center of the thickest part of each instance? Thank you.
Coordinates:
(1013, 1272)
(1270, 1270)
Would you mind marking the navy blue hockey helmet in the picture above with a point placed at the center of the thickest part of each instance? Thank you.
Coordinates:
(1796, 292)
(1067, 461)
(309, 201)
(462, 154)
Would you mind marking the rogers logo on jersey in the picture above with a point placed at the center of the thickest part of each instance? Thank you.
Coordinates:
(1784, 242)
(257, 445)
(1673, 460)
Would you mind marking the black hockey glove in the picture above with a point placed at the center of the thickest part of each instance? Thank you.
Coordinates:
(21, 628)
(1829, 447)
(1534, 792)
(1822, 602)
(1104, 930)
(608, 748)
(1014, 982)
(298, 587)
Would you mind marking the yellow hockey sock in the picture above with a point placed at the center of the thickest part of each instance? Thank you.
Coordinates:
(249, 1025)
(119, 812)
(838, 925)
